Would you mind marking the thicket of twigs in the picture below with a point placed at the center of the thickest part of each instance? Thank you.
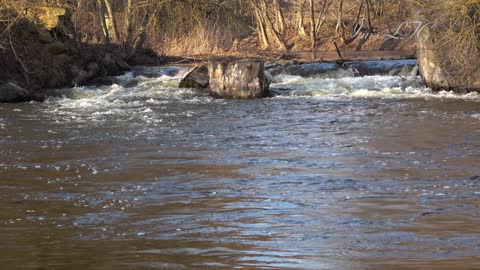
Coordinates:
(215, 26)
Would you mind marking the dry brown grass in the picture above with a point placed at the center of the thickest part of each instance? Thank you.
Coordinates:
(455, 31)
(190, 27)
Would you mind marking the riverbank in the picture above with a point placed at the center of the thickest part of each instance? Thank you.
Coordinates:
(35, 56)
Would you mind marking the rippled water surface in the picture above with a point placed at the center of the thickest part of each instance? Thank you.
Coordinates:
(334, 172)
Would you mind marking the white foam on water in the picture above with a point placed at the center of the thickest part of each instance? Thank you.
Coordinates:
(129, 95)
(142, 101)
(145, 93)
(394, 87)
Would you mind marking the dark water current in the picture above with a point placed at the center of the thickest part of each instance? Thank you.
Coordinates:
(334, 172)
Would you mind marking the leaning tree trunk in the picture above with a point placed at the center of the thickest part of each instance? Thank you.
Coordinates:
(339, 17)
(301, 26)
(280, 18)
(101, 13)
(112, 22)
(270, 28)
(262, 32)
(142, 34)
(323, 16)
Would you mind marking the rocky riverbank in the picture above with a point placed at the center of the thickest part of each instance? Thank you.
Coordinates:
(38, 53)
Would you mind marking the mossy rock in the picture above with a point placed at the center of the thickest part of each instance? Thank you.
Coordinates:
(45, 37)
(50, 17)
(56, 48)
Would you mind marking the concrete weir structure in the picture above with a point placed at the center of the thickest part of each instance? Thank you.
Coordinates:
(237, 79)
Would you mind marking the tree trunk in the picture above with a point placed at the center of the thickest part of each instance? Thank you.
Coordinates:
(262, 33)
(112, 22)
(367, 13)
(270, 28)
(142, 32)
(280, 18)
(129, 23)
(323, 16)
(101, 13)
(339, 17)
(301, 26)
(313, 36)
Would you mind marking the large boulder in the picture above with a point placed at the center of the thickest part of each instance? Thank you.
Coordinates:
(51, 16)
(11, 92)
(429, 63)
(439, 63)
(243, 79)
(196, 78)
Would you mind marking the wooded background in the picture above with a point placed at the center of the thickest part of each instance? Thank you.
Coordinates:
(186, 27)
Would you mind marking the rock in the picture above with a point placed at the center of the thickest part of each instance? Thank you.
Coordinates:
(56, 48)
(382, 67)
(353, 68)
(197, 78)
(142, 60)
(123, 65)
(93, 70)
(243, 79)
(414, 72)
(130, 83)
(110, 65)
(51, 17)
(99, 81)
(405, 71)
(11, 92)
(429, 63)
(62, 59)
(394, 72)
(44, 36)
(81, 76)
(268, 77)
(56, 77)
(436, 71)
(402, 72)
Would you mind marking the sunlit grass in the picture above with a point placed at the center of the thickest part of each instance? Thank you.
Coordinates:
(455, 29)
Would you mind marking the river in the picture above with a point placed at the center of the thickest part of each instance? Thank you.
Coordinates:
(334, 172)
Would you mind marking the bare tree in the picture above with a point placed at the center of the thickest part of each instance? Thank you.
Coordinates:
(265, 24)
(101, 13)
(323, 15)
(149, 13)
(300, 18)
(112, 22)
(129, 23)
(313, 33)
(339, 26)
(262, 33)
(280, 22)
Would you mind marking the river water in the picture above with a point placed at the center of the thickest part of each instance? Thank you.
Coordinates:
(334, 172)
